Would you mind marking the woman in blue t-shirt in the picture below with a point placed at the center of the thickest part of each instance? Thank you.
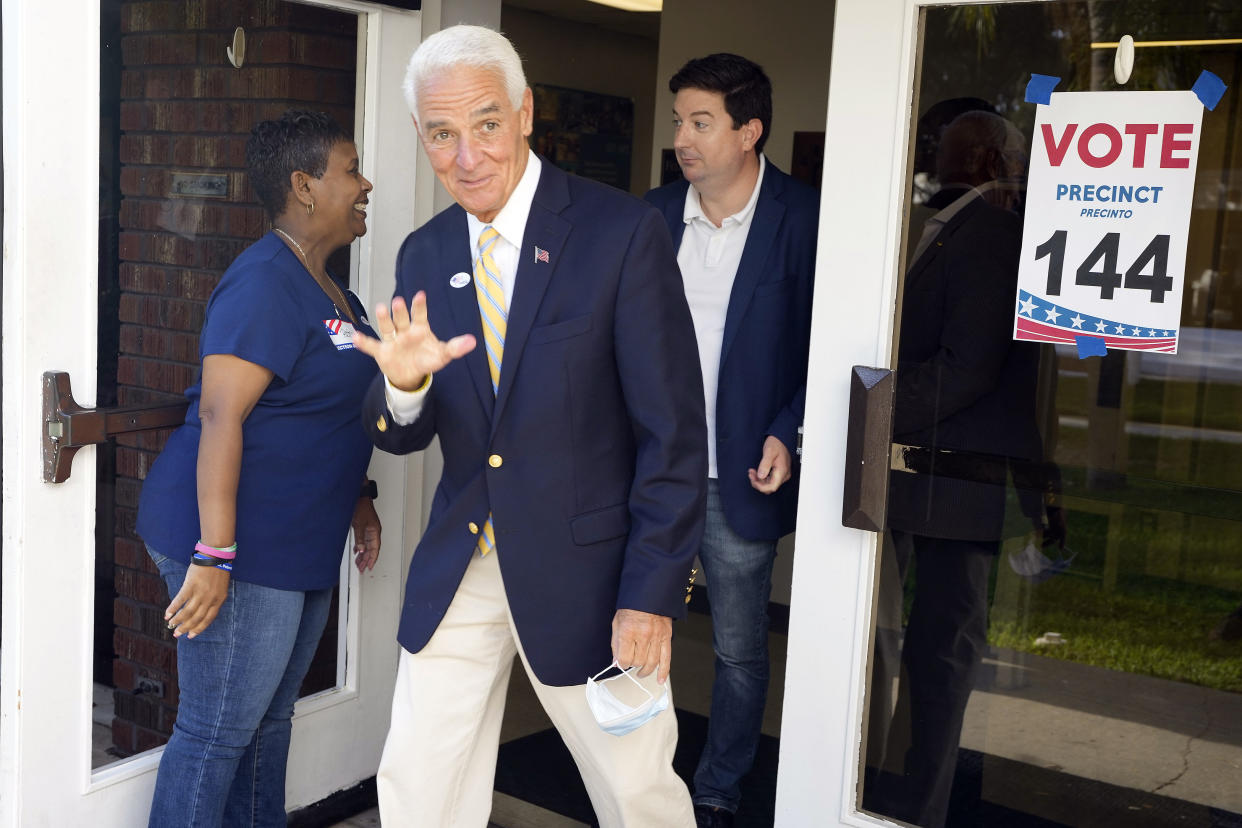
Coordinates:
(246, 511)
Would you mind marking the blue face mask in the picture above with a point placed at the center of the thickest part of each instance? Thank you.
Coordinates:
(615, 716)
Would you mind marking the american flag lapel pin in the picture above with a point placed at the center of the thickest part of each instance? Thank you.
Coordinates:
(541, 255)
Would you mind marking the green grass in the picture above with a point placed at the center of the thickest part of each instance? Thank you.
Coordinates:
(1218, 405)
(1148, 635)
(1159, 544)
(1145, 605)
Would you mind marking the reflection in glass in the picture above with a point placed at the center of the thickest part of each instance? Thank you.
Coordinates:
(1058, 632)
(175, 210)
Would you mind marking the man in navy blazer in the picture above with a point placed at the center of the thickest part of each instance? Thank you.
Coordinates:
(570, 508)
(745, 234)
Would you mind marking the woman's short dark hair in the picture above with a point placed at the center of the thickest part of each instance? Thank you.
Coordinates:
(298, 140)
(746, 89)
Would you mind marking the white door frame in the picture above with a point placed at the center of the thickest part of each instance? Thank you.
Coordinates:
(51, 166)
(871, 92)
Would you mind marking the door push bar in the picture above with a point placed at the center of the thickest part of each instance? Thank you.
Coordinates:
(68, 426)
(867, 448)
(870, 455)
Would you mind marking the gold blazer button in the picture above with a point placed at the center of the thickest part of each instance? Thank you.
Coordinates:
(495, 461)
(381, 424)
(473, 527)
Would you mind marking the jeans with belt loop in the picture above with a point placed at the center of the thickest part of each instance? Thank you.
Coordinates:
(238, 680)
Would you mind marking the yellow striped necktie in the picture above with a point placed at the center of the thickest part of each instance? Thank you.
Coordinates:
(495, 318)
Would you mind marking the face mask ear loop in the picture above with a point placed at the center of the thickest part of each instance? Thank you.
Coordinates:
(605, 670)
(627, 673)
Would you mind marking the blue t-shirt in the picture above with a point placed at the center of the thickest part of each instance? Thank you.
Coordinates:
(304, 451)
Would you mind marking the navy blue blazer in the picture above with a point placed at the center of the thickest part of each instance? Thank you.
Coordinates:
(592, 454)
(762, 384)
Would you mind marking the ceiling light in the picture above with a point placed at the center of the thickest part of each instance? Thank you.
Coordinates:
(633, 5)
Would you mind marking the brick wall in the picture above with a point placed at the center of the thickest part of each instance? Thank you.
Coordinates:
(185, 108)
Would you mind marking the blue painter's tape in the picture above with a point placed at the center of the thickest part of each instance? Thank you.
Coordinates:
(1209, 88)
(1089, 346)
(1039, 88)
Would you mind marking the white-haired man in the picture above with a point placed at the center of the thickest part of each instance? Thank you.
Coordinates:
(572, 499)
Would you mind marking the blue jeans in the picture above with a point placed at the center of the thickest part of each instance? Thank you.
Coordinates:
(739, 584)
(239, 679)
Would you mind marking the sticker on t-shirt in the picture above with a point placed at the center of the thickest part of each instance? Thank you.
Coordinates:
(342, 333)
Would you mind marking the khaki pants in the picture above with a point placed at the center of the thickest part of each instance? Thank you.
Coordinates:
(439, 762)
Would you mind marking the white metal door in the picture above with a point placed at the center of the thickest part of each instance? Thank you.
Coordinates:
(874, 53)
(51, 170)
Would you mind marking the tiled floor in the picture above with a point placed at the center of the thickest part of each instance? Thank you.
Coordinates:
(692, 672)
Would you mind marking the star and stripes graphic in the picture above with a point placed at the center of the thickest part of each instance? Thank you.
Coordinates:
(1042, 320)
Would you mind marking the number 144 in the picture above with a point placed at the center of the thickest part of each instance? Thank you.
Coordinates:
(1099, 269)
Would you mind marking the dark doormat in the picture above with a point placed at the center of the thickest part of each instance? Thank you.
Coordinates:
(538, 769)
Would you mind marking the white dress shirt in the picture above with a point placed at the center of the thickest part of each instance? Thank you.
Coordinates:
(510, 223)
(708, 257)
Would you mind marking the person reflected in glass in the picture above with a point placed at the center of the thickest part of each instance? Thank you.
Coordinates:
(962, 385)
(247, 510)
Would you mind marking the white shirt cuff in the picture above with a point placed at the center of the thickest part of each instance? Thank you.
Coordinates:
(405, 406)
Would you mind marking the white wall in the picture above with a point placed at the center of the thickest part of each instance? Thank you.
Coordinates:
(574, 55)
(791, 40)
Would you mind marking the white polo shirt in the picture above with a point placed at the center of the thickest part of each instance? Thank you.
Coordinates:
(708, 257)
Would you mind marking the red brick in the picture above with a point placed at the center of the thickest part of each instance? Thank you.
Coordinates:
(133, 463)
(247, 222)
(128, 553)
(123, 737)
(149, 739)
(200, 151)
(122, 674)
(124, 614)
(135, 647)
(126, 519)
(139, 586)
(127, 492)
(218, 254)
(128, 370)
(185, 348)
(146, 149)
(167, 49)
(199, 284)
(153, 441)
(205, 82)
(152, 17)
(135, 116)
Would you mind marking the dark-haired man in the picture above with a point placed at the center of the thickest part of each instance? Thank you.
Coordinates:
(745, 233)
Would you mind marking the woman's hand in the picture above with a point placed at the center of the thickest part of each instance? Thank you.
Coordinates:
(366, 525)
(195, 605)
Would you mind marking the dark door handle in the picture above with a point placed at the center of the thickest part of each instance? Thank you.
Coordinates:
(867, 448)
(68, 426)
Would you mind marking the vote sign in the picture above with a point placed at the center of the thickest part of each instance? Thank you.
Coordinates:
(1108, 202)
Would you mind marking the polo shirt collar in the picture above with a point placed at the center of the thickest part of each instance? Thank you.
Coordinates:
(694, 208)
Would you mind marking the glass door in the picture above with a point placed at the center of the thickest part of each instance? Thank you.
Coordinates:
(1047, 629)
(123, 125)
